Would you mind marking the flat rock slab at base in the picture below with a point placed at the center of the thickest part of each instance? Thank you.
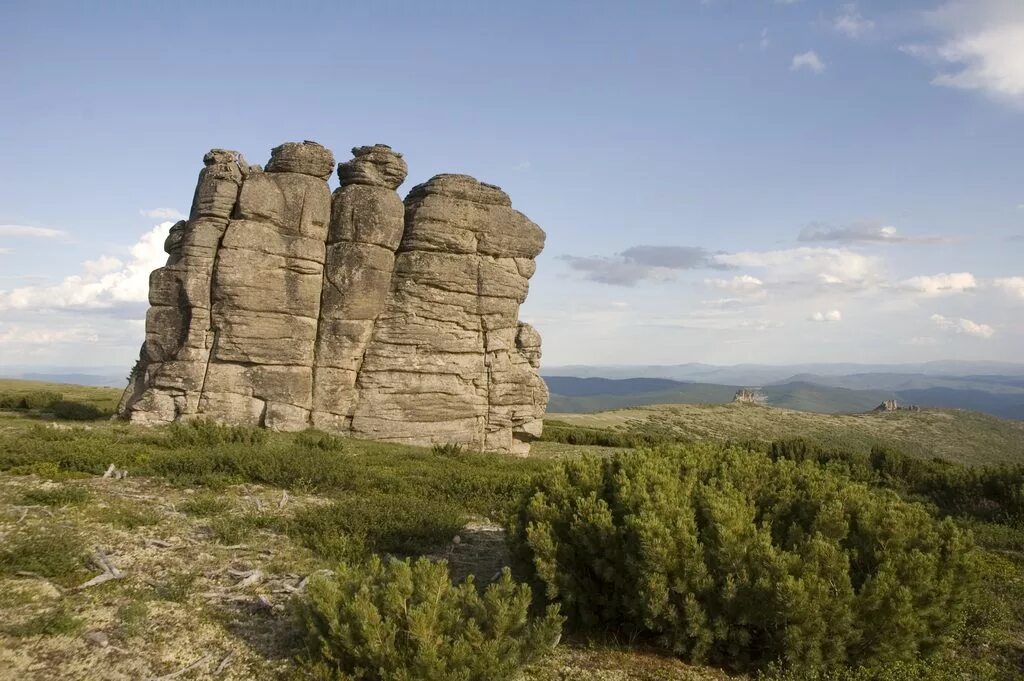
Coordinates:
(284, 306)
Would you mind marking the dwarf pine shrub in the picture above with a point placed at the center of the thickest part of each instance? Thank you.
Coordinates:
(402, 621)
(724, 554)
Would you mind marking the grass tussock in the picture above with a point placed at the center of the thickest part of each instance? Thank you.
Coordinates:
(58, 555)
(58, 621)
(57, 496)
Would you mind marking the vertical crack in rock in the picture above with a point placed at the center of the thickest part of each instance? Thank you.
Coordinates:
(356, 313)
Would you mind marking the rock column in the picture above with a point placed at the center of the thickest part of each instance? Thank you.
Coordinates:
(167, 381)
(446, 340)
(366, 228)
(266, 293)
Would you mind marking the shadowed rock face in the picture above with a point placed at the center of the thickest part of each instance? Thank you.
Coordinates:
(283, 306)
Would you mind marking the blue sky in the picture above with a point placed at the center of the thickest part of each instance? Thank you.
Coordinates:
(722, 181)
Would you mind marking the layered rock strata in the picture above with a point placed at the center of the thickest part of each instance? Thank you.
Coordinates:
(285, 307)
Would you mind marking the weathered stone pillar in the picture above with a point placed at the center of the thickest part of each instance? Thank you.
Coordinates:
(266, 293)
(445, 345)
(366, 228)
(168, 378)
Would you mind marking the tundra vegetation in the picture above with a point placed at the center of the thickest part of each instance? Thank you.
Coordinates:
(235, 553)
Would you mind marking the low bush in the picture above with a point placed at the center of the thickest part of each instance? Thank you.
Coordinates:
(204, 505)
(984, 492)
(203, 433)
(36, 399)
(402, 621)
(57, 496)
(724, 554)
(354, 526)
(559, 431)
(78, 411)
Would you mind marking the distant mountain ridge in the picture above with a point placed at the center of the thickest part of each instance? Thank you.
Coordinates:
(995, 394)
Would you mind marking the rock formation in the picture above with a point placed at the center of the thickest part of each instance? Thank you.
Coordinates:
(893, 405)
(285, 307)
(750, 396)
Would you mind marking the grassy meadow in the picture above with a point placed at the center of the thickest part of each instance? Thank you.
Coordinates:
(216, 531)
(954, 435)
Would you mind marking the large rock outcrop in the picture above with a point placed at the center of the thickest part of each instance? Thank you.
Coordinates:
(285, 307)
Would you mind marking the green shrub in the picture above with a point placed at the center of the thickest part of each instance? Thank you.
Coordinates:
(724, 554)
(315, 439)
(203, 433)
(57, 496)
(398, 621)
(354, 526)
(204, 505)
(36, 399)
(47, 469)
(77, 411)
(637, 436)
(984, 492)
(448, 449)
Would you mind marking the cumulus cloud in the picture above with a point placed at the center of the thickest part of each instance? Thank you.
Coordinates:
(938, 284)
(642, 263)
(963, 326)
(851, 23)
(830, 316)
(807, 61)
(15, 334)
(862, 232)
(1011, 285)
(162, 213)
(31, 232)
(980, 43)
(743, 283)
(104, 283)
(830, 265)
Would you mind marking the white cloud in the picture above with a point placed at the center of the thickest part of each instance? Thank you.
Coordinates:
(13, 333)
(32, 232)
(863, 232)
(830, 316)
(851, 23)
(162, 213)
(743, 283)
(104, 283)
(765, 40)
(957, 282)
(1012, 285)
(982, 41)
(833, 265)
(809, 61)
(963, 326)
(5, 251)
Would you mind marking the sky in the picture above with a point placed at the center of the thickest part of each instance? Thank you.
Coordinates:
(726, 181)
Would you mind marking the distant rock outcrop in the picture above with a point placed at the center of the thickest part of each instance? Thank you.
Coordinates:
(285, 307)
(893, 405)
(750, 396)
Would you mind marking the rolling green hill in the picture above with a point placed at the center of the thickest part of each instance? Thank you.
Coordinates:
(583, 395)
(963, 436)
